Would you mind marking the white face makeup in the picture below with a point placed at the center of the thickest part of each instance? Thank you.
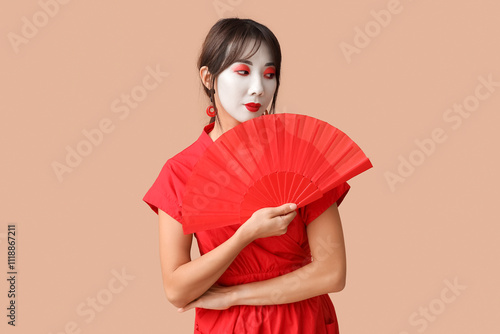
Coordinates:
(247, 81)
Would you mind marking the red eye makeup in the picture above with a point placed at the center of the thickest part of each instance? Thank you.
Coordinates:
(271, 71)
(241, 67)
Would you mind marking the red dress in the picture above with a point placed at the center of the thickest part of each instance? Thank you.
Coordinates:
(262, 259)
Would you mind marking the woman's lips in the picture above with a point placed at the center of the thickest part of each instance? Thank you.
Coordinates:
(253, 107)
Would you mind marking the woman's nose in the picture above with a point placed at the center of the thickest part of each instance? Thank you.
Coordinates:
(256, 85)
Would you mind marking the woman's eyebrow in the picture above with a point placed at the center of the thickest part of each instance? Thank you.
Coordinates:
(250, 63)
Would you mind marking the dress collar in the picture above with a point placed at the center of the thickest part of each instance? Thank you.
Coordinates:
(204, 138)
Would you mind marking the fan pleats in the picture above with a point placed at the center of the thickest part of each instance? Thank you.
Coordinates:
(265, 162)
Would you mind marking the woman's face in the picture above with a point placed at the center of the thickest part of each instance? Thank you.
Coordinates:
(245, 89)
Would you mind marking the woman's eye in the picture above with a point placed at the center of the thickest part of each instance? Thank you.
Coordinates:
(241, 69)
(270, 73)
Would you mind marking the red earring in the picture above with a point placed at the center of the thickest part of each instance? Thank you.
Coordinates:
(211, 111)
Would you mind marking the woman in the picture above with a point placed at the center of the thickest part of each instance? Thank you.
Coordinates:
(273, 273)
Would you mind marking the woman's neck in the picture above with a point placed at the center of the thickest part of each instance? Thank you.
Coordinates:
(227, 123)
(212, 135)
(215, 133)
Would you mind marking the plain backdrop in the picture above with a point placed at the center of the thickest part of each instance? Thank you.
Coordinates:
(415, 83)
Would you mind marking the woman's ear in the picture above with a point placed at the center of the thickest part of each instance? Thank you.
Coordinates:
(205, 76)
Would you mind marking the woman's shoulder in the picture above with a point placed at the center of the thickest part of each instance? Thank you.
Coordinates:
(168, 187)
(193, 151)
(184, 160)
(175, 171)
(187, 157)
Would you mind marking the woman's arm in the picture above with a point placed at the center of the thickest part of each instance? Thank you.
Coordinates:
(325, 274)
(184, 279)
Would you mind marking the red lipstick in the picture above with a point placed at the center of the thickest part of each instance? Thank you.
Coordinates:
(253, 107)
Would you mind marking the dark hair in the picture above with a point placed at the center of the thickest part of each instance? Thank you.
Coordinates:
(237, 33)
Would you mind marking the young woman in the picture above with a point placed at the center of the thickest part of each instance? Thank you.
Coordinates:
(273, 273)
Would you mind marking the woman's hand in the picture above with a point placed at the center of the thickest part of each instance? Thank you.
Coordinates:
(215, 298)
(269, 222)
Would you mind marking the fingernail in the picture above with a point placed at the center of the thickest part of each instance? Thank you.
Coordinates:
(293, 206)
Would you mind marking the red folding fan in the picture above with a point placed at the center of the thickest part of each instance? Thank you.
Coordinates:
(266, 162)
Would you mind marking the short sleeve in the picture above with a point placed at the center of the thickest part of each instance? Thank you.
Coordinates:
(313, 210)
(163, 194)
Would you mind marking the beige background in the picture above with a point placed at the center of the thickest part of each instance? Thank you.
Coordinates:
(404, 243)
